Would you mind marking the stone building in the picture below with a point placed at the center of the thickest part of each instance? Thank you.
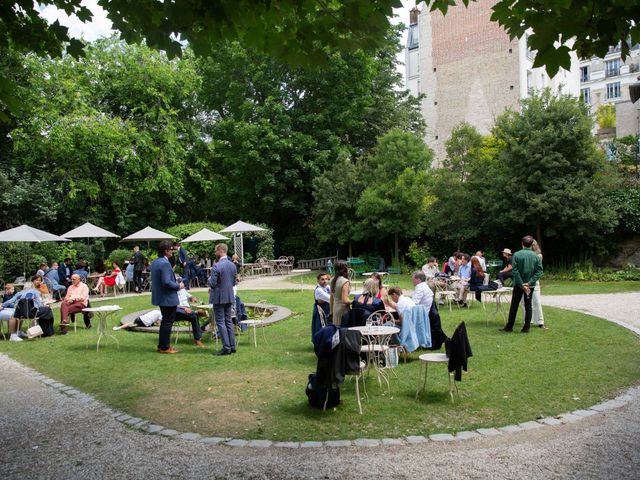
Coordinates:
(470, 70)
(606, 81)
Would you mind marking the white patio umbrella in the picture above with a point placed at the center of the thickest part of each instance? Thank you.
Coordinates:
(88, 230)
(204, 235)
(27, 234)
(238, 229)
(148, 234)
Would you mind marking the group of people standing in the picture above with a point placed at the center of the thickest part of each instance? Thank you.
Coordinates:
(164, 294)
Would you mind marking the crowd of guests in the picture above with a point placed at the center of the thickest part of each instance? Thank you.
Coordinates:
(461, 273)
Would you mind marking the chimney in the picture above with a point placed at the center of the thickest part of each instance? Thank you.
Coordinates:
(413, 16)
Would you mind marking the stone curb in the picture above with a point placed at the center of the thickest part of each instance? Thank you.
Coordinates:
(624, 398)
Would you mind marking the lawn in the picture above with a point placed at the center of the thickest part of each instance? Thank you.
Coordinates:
(549, 287)
(259, 392)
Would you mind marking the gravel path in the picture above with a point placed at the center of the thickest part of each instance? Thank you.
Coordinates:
(48, 434)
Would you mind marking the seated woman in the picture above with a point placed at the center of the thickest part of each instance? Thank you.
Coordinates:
(382, 290)
(476, 282)
(366, 303)
(107, 281)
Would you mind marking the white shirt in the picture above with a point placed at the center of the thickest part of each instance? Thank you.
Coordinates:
(430, 271)
(404, 303)
(151, 317)
(422, 295)
(323, 293)
(183, 298)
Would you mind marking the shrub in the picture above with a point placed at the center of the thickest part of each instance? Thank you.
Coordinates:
(119, 256)
(418, 254)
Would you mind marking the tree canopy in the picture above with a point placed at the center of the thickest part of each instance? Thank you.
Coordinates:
(305, 33)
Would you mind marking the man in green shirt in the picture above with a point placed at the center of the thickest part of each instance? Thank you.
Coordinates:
(527, 270)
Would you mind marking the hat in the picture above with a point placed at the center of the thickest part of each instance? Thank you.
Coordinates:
(507, 251)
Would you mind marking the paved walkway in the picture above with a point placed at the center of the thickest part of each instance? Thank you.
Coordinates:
(47, 434)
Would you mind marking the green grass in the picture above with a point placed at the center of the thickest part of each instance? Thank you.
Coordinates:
(549, 287)
(259, 392)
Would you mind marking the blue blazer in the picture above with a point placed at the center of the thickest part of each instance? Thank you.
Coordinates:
(182, 256)
(164, 288)
(62, 273)
(221, 281)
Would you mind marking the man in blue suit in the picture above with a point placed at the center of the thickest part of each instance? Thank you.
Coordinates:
(64, 272)
(184, 260)
(164, 293)
(221, 281)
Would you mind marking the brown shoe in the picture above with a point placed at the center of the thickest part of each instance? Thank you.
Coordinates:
(168, 350)
(198, 343)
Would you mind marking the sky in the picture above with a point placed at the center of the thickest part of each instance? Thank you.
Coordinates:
(100, 26)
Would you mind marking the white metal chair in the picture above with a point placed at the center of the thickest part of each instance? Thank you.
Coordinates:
(322, 315)
(260, 310)
(428, 358)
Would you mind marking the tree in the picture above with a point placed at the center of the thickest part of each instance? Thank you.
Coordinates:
(463, 148)
(112, 137)
(462, 188)
(302, 33)
(273, 129)
(555, 181)
(335, 193)
(396, 201)
(588, 27)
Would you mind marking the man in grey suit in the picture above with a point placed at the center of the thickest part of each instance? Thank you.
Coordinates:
(164, 293)
(221, 281)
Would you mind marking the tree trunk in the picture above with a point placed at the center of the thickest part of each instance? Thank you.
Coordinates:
(396, 252)
(539, 234)
(350, 251)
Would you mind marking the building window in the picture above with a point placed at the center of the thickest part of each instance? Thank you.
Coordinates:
(612, 68)
(412, 37)
(584, 74)
(585, 93)
(613, 90)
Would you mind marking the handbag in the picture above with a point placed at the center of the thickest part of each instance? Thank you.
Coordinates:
(34, 331)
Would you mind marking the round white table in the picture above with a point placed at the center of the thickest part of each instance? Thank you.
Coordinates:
(376, 347)
(103, 313)
(301, 271)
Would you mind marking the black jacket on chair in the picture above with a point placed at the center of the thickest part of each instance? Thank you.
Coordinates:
(438, 337)
(458, 350)
(334, 364)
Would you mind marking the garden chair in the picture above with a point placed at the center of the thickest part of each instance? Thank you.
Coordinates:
(352, 279)
(26, 310)
(260, 309)
(435, 358)
(323, 317)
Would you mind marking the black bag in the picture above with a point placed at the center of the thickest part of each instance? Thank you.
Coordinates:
(493, 285)
(321, 397)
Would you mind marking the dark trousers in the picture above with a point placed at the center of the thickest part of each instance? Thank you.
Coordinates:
(502, 276)
(168, 317)
(182, 316)
(518, 294)
(45, 320)
(137, 280)
(225, 326)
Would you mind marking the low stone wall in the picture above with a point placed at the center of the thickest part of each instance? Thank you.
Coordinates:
(277, 313)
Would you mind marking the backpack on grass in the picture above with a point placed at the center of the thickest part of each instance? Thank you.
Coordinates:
(321, 397)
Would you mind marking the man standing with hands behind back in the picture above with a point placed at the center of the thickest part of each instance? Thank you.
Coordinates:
(138, 267)
(223, 277)
(164, 293)
(527, 269)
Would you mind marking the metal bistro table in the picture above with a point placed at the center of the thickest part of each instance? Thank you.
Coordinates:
(375, 344)
(499, 298)
(103, 312)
